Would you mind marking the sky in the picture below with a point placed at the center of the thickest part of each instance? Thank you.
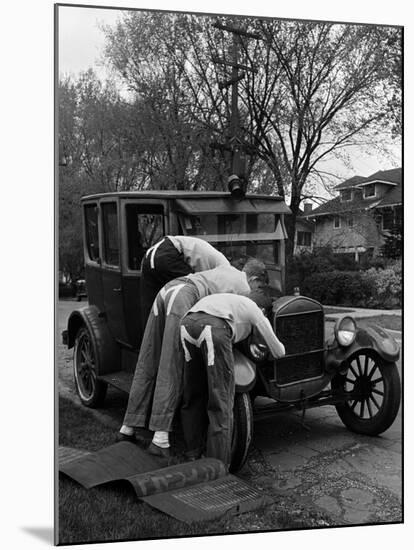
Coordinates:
(81, 43)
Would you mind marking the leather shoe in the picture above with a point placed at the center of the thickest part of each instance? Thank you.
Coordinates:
(134, 438)
(158, 451)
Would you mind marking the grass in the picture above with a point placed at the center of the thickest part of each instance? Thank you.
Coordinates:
(330, 310)
(112, 512)
(392, 322)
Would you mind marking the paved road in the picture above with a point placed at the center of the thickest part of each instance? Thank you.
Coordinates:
(319, 466)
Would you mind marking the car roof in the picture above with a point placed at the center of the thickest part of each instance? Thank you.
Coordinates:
(194, 202)
(168, 194)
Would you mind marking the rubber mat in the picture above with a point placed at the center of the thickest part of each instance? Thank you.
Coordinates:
(210, 500)
(192, 491)
(118, 461)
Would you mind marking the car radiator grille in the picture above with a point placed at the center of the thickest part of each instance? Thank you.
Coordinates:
(302, 335)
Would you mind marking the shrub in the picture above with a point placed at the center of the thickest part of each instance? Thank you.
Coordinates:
(388, 285)
(376, 288)
(344, 288)
(320, 260)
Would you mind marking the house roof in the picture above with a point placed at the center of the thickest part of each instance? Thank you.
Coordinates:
(352, 182)
(392, 177)
(393, 195)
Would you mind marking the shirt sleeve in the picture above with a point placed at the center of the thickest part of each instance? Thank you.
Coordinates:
(277, 349)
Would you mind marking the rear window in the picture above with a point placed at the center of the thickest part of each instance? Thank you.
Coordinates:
(110, 233)
(91, 230)
(145, 227)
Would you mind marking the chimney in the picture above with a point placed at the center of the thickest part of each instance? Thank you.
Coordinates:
(307, 208)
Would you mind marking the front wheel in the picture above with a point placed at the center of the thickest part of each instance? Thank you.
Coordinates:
(91, 391)
(373, 391)
(242, 430)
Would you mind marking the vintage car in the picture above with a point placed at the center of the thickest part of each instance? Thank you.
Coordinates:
(354, 369)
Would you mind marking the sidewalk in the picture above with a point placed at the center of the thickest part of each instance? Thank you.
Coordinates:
(358, 312)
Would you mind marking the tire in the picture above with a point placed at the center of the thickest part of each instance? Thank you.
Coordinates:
(377, 388)
(242, 430)
(90, 389)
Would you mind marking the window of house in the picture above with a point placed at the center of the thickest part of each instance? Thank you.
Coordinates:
(110, 233)
(350, 221)
(304, 238)
(369, 190)
(145, 227)
(91, 230)
(337, 222)
(346, 195)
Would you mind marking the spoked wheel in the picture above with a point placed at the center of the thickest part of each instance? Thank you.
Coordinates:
(242, 430)
(373, 391)
(91, 391)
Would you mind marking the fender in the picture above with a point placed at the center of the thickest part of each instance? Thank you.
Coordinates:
(106, 349)
(373, 338)
(244, 372)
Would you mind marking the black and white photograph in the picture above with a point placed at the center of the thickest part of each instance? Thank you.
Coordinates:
(229, 222)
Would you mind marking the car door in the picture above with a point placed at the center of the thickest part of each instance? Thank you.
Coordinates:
(111, 270)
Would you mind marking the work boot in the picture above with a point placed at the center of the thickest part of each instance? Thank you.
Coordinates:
(134, 438)
(160, 452)
(191, 456)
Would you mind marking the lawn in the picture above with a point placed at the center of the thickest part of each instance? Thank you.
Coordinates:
(392, 322)
(113, 513)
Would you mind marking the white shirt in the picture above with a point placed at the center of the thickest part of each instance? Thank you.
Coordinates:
(198, 254)
(242, 314)
(224, 278)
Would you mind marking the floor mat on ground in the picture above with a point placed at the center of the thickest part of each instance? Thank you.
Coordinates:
(192, 491)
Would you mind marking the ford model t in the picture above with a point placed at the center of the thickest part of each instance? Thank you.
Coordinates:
(354, 369)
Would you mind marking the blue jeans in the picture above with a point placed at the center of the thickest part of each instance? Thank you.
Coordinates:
(209, 387)
(157, 384)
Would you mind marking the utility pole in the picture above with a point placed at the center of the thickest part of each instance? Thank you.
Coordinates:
(237, 180)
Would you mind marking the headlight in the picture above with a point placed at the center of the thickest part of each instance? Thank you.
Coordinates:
(345, 331)
(258, 351)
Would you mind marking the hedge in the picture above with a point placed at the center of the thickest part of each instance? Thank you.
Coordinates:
(374, 288)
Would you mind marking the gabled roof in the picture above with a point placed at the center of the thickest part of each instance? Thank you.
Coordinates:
(352, 182)
(335, 206)
(392, 197)
(392, 177)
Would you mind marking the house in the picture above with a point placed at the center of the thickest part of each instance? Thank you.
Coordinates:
(364, 212)
(305, 229)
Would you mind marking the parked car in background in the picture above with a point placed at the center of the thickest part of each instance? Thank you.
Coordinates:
(80, 291)
(354, 370)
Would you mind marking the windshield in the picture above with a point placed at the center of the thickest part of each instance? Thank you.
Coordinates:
(238, 236)
(238, 252)
(237, 225)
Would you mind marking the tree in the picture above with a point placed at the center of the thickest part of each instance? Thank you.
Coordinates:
(151, 53)
(393, 242)
(320, 88)
(310, 91)
(98, 152)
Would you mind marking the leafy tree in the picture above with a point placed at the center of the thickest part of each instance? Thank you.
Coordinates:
(393, 245)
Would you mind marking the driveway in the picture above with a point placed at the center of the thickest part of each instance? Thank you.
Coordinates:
(313, 463)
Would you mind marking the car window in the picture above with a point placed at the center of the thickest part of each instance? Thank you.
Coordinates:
(110, 233)
(229, 224)
(145, 227)
(91, 230)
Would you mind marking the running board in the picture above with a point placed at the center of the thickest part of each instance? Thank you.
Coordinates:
(121, 380)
